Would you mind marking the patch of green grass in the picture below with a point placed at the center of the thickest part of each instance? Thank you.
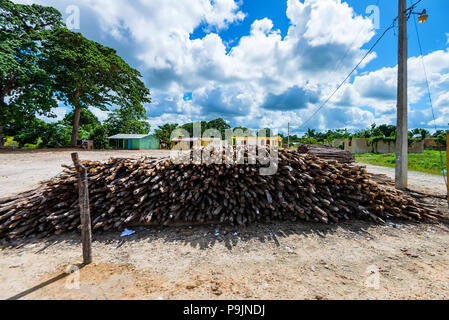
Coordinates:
(427, 162)
(30, 146)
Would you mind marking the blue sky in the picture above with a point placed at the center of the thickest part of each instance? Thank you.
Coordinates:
(268, 63)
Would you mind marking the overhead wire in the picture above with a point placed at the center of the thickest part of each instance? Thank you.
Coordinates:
(429, 94)
(348, 76)
(350, 47)
(392, 26)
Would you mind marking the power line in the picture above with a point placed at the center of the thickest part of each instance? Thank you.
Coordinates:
(355, 68)
(350, 47)
(428, 90)
(413, 5)
(348, 76)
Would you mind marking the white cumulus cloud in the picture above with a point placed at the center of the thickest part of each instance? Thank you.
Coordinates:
(264, 78)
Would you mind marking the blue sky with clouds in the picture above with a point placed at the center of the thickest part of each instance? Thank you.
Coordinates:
(260, 63)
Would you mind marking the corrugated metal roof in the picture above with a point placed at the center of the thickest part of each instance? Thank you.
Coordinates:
(129, 136)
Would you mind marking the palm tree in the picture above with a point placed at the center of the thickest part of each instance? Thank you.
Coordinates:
(311, 133)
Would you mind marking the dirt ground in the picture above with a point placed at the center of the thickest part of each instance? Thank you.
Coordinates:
(427, 183)
(22, 170)
(265, 261)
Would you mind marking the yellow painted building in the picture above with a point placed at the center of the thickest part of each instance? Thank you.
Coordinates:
(259, 141)
(188, 143)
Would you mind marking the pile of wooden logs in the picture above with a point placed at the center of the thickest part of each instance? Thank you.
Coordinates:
(148, 191)
(327, 153)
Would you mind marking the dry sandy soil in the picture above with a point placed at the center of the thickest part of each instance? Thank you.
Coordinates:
(427, 183)
(22, 170)
(277, 261)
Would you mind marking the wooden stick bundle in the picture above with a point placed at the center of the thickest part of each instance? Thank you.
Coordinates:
(327, 153)
(148, 191)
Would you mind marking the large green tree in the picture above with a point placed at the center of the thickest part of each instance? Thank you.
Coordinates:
(26, 86)
(163, 133)
(89, 74)
(87, 118)
(126, 122)
(220, 124)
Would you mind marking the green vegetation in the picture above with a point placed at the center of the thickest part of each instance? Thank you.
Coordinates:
(43, 64)
(164, 134)
(314, 137)
(219, 124)
(100, 137)
(120, 121)
(164, 131)
(26, 87)
(427, 162)
(9, 142)
(89, 74)
(384, 132)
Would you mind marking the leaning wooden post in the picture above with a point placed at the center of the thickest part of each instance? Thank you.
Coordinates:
(83, 190)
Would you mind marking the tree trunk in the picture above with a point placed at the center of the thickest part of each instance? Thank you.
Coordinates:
(76, 121)
(2, 103)
(1, 135)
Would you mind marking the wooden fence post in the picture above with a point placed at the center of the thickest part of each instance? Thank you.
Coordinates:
(83, 190)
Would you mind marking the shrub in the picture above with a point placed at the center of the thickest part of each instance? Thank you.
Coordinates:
(30, 146)
(9, 142)
(56, 136)
(100, 137)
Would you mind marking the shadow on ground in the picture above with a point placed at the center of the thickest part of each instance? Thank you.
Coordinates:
(207, 236)
(43, 284)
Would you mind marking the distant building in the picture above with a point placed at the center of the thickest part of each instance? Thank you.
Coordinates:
(362, 145)
(189, 143)
(135, 141)
(433, 144)
(259, 141)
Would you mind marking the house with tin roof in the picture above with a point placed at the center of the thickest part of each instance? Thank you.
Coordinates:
(134, 141)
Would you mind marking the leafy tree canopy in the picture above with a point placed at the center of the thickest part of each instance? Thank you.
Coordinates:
(100, 137)
(87, 118)
(26, 86)
(423, 133)
(267, 132)
(89, 74)
(121, 122)
(163, 133)
(218, 124)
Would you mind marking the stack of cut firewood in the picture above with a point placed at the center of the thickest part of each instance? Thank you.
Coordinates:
(327, 153)
(148, 191)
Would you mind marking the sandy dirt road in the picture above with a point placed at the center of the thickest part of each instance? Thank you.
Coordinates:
(23, 170)
(427, 183)
(277, 261)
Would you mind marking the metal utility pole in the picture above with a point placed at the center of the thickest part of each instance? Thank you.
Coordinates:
(402, 119)
(288, 143)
